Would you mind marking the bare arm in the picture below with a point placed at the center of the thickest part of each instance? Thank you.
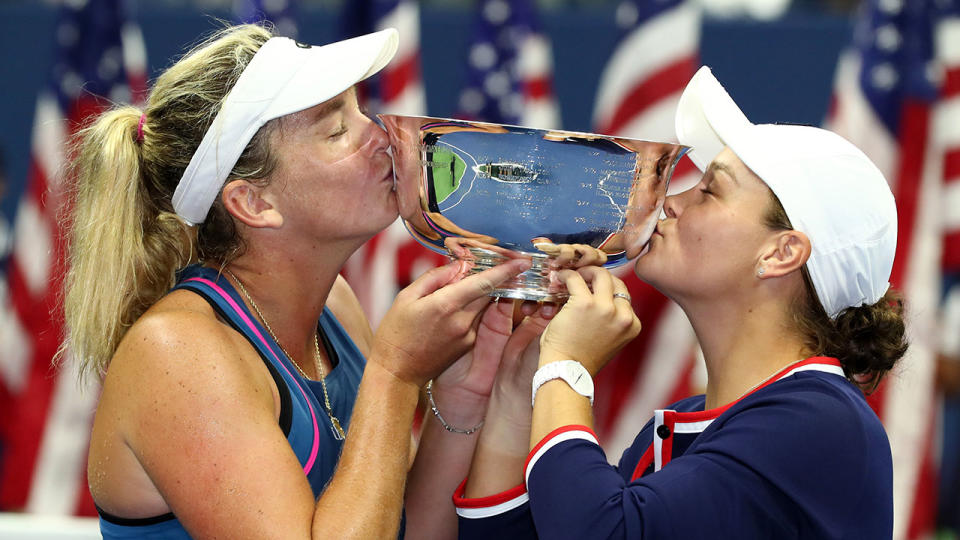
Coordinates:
(503, 446)
(443, 457)
(201, 419)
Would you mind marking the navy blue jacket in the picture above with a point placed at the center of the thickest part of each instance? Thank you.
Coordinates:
(802, 456)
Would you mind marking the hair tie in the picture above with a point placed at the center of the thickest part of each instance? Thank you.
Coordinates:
(143, 118)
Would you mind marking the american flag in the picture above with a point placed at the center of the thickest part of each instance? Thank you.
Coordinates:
(896, 96)
(282, 14)
(947, 134)
(947, 129)
(509, 68)
(100, 58)
(392, 259)
(398, 89)
(639, 89)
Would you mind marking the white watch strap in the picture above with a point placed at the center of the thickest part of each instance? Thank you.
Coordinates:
(570, 371)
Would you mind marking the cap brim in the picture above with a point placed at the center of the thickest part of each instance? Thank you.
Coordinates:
(331, 69)
(707, 118)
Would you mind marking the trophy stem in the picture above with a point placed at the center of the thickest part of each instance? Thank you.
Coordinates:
(533, 284)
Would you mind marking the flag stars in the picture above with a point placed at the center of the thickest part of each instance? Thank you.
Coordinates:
(286, 27)
(120, 93)
(511, 105)
(496, 11)
(75, 4)
(497, 84)
(472, 101)
(627, 14)
(891, 7)
(273, 6)
(888, 38)
(110, 63)
(483, 56)
(883, 76)
(71, 84)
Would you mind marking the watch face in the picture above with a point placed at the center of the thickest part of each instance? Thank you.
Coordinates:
(583, 383)
(579, 379)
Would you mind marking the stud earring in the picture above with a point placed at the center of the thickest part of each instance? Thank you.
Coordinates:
(760, 272)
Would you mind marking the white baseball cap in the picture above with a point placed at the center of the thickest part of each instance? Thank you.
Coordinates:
(283, 77)
(830, 190)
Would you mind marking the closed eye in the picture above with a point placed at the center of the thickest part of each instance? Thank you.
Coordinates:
(340, 131)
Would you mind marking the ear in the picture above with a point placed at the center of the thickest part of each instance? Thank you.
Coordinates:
(787, 252)
(247, 203)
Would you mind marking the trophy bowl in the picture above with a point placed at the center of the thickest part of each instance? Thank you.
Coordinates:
(485, 193)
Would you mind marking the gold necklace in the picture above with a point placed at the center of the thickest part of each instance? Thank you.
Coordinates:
(338, 432)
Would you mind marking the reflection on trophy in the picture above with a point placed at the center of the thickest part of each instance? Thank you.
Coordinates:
(486, 192)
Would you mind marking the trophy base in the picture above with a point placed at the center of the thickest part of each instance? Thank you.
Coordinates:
(533, 284)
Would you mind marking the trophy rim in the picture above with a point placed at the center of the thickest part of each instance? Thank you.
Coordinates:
(684, 148)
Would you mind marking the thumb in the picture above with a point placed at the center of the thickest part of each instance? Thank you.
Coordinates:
(434, 279)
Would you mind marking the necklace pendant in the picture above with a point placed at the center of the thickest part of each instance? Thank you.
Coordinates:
(338, 433)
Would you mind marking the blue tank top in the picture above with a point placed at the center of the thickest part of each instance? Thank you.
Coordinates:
(303, 417)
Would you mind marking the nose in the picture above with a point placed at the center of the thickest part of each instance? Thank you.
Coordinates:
(377, 139)
(672, 206)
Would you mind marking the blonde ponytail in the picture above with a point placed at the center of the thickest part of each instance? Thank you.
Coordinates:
(125, 242)
(122, 253)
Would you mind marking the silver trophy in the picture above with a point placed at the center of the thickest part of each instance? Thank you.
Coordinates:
(487, 192)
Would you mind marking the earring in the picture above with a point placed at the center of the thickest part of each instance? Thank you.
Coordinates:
(760, 272)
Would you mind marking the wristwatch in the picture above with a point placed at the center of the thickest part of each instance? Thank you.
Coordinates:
(571, 371)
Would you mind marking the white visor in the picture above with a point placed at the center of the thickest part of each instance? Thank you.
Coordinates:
(830, 190)
(282, 78)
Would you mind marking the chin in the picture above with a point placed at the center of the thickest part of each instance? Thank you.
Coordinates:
(648, 271)
(389, 216)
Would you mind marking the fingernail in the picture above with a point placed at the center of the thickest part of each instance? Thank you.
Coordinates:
(547, 247)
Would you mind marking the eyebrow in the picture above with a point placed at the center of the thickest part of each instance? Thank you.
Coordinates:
(330, 107)
(722, 167)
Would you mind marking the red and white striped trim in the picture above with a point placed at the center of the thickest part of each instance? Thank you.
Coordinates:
(555, 437)
(696, 422)
(493, 505)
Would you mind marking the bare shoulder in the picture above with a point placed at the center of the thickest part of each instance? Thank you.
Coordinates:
(345, 306)
(191, 399)
(181, 354)
(181, 332)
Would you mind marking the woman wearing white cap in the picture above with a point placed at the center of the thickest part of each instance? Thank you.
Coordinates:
(780, 257)
(240, 405)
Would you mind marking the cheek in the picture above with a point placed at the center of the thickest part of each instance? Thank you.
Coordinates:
(708, 249)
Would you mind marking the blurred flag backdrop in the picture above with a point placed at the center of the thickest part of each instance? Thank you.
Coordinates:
(100, 58)
(392, 259)
(897, 95)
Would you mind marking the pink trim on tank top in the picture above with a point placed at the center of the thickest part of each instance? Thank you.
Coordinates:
(243, 315)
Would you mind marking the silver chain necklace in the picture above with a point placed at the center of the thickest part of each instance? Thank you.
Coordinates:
(338, 432)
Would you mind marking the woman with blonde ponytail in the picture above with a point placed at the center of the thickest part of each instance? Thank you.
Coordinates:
(243, 392)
